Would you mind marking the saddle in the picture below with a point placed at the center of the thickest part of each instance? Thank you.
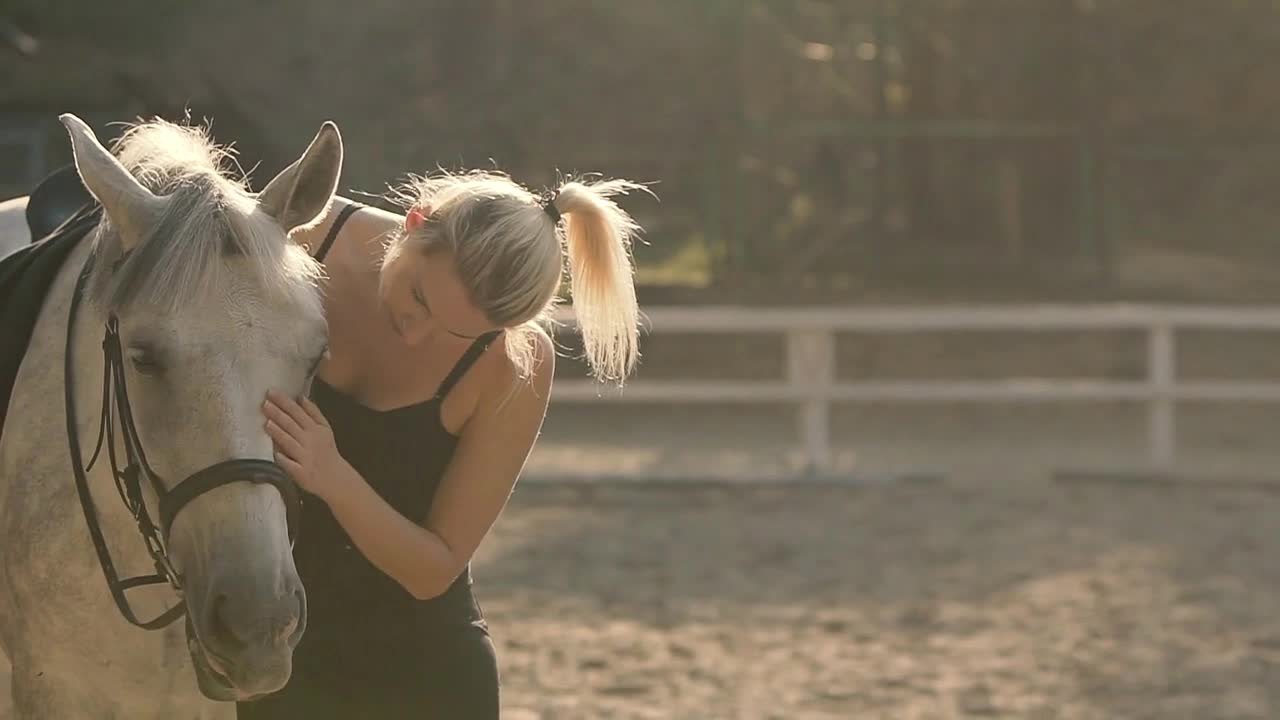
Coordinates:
(26, 274)
(54, 200)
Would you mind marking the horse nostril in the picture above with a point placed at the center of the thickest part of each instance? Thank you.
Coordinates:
(240, 621)
(221, 632)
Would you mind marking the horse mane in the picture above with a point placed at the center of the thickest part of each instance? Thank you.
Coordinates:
(210, 217)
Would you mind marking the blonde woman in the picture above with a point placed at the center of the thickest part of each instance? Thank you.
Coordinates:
(419, 421)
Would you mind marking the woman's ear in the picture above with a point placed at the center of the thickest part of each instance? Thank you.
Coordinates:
(415, 217)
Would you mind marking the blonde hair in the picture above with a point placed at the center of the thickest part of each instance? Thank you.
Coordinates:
(511, 252)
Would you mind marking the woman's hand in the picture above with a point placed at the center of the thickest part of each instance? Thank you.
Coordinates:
(304, 444)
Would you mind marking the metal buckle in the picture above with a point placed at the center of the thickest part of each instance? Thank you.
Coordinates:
(164, 567)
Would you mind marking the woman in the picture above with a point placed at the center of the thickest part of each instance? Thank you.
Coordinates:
(419, 421)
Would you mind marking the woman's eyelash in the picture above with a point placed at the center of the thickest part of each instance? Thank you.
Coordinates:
(417, 296)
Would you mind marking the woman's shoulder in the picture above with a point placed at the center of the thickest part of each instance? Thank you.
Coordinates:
(374, 219)
(367, 229)
(513, 398)
(521, 360)
(359, 225)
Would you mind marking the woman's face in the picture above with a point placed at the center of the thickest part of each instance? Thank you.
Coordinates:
(424, 298)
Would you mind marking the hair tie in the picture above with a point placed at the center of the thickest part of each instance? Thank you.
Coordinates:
(549, 207)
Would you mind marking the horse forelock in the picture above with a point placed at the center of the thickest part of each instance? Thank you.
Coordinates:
(210, 217)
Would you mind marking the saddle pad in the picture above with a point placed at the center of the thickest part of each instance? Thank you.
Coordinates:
(25, 277)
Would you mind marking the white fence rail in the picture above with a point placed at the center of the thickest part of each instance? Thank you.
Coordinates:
(812, 385)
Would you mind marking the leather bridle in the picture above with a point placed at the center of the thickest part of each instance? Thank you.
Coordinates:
(128, 480)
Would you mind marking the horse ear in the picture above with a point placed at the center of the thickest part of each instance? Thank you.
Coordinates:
(130, 207)
(301, 193)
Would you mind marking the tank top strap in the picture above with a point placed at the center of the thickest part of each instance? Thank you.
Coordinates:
(338, 222)
(465, 362)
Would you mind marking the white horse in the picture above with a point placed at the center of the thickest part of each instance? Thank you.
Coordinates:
(211, 304)
(14, 232)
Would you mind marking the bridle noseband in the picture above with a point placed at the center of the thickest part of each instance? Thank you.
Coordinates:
(129, 479)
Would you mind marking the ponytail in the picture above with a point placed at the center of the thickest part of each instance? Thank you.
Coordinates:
(598, 236)
(508, 246)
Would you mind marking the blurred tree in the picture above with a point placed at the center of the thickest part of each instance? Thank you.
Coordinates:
(816, 138)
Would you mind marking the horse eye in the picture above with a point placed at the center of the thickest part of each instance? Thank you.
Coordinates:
(146, 361)
(315, 364)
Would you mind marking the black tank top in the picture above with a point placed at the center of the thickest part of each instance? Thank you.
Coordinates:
(362, 625)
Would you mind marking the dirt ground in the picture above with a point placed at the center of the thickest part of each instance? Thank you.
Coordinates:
(896, 601)
(988, 592)
(1016, 599)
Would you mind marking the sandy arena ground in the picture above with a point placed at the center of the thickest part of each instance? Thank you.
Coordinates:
(908, 601)
(888, 602)
(992, 593)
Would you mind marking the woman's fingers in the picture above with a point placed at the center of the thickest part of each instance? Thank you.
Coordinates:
(281, 418)
(313, 411)
(290, 407)
(284, 440)
(289, 466)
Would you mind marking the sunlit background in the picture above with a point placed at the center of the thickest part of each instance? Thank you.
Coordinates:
(961, 388)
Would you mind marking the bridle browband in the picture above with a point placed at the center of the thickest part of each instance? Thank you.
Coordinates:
(128, 480)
